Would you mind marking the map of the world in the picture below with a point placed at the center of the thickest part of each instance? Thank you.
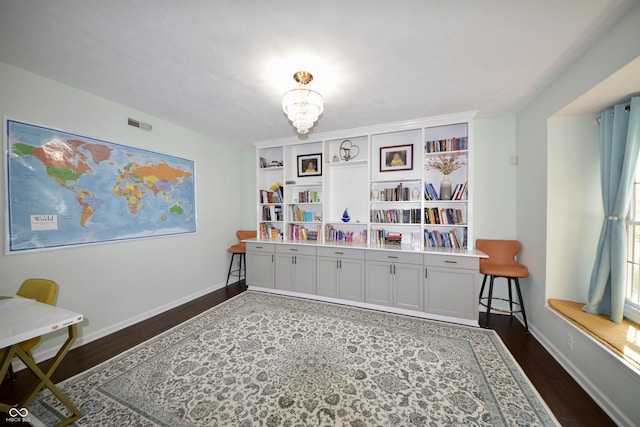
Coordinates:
(66, 189)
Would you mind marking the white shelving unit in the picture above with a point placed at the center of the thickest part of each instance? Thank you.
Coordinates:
(365, 185)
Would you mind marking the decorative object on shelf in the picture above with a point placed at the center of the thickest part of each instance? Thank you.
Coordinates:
(445, 188)
(345, 216)
(446, 164)
(346, 150)
(335, 158)
(396, 157)
(415, 194)
(302, 106)
(310, 164)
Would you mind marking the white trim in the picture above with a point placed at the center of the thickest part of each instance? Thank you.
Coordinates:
(421, 314)
(607, 405)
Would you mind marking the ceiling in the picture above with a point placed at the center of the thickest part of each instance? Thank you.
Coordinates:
(220, 66)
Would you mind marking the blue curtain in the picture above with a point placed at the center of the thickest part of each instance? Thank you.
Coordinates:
(619, 147)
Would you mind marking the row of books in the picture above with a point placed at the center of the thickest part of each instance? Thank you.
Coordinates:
(272, 213)
(299, 232)
(398, 194)
(459, 192)
(308, 197)
(456, 238)
(332, 234)
(268, 231)
(443, 216)
(396, 216)
(297, 214)
(380, 236)
(268, 196)
(451, 144)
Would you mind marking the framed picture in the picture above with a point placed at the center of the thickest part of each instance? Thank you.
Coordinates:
(310, 165)
(396, 158)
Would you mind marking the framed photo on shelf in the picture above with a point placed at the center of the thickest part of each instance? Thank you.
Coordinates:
(396, 158)
(310, 165)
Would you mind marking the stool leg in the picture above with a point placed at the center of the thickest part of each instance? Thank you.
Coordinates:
(524, 315)
(484, 281)
(242, 273)
(490, 296)
(230, 266)
(510, 296)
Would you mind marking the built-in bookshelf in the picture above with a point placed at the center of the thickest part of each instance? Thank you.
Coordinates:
(371, 186)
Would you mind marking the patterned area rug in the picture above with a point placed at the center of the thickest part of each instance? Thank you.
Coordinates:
(267, 360)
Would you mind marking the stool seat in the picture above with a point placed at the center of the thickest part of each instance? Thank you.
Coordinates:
(502, 263)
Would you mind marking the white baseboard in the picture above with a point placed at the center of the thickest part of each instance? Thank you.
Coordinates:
(607, 405)
(49, 353)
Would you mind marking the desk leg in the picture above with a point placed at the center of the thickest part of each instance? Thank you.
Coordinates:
(45, 379)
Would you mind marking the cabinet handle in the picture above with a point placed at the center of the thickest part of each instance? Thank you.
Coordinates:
(450, 262)
(426, 273)
(272, 258)
(392, 256)
(339, 253)
(293, 249)
(258, 247)
(337, 263)
(390, 268)
(340, 261)
(394, 269)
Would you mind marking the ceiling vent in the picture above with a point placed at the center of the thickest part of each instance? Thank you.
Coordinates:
(138, 124)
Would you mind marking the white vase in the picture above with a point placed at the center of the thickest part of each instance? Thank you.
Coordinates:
(445, 188)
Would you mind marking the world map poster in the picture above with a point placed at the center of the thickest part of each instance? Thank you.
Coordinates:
(65, 189)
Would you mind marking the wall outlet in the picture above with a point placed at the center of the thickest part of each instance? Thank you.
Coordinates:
(570, 341)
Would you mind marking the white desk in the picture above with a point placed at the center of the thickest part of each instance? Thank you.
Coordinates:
(22, 319)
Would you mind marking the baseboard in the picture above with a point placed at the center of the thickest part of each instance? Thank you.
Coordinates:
(591, 389)
(49, 353)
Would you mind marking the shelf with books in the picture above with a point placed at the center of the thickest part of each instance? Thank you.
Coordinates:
(346, 232)
(437, 237)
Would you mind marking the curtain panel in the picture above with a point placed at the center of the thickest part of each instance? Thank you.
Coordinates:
(619, 147)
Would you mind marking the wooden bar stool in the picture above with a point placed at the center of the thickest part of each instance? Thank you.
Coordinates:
(239, 249)
(502, 263)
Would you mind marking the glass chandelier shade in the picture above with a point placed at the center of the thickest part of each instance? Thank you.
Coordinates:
(302, 106)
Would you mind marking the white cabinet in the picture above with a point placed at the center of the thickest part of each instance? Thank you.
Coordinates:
(451, 286)
(395, 279)
(340, 273)
(296, 268)
(260, 264)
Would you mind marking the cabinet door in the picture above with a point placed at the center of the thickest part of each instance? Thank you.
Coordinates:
(378, 283)
(304, 273)
(452, 292)
(284, 272)
(408, 287)
(260, 269)
(328, 272)
(351, 279)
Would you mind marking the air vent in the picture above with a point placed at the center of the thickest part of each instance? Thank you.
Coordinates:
(138, 124)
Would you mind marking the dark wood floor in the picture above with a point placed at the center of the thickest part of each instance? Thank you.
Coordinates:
(570, 404)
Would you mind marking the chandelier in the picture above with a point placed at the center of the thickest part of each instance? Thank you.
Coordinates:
(302, 106)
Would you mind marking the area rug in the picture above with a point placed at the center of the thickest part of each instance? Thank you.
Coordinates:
(266, 360)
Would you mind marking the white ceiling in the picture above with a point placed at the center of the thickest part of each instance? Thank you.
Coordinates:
(220, 66)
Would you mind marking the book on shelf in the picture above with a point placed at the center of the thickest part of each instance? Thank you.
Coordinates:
(399, 193)
(308, 196)
(268, 231)
(333, 234)
(393, 238)
(395, 216)
(451, 144)
(455, 238)
(300, 232)
(272, 213)
(300, 215)
(445, 216)
(269, 196)
(460, 192)
(430, 192)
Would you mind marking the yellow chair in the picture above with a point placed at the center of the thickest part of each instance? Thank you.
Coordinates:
(42, 290)
(240, 249)
(502, 263)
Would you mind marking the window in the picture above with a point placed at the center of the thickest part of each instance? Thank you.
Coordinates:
(632, 302)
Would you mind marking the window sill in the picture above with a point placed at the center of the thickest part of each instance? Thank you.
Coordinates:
(622, 339)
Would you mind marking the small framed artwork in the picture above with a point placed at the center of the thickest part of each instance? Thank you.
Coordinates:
(310, 165)
(396, 158)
